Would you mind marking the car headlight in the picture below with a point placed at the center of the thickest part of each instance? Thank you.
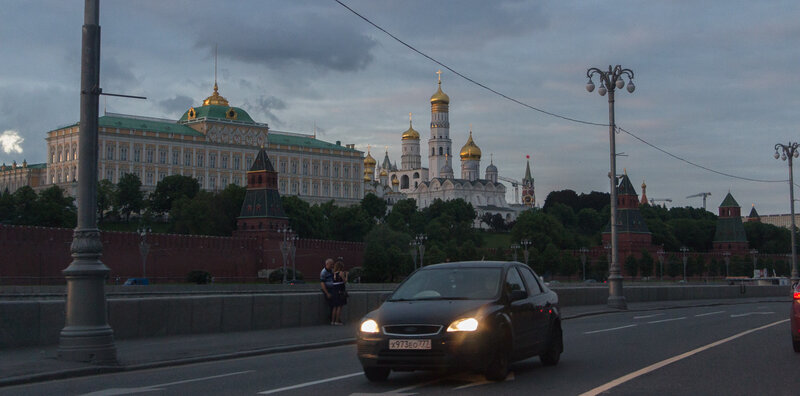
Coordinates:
(465, 324)
(369, 326)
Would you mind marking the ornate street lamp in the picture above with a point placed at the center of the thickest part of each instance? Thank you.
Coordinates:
(421, 238)
(526, 243)
(754, 253)
(789, 152)
(514, 247)
(285, 248)
(144, 247)
(292, 252)
(583, 252)
(610, 81)
(727, 257)
(413, 246)
(661, 254)
(684, 249)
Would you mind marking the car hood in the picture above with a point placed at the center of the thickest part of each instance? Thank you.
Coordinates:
(441, 312)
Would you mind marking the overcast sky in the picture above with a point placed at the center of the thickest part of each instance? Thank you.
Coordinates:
(717, 81)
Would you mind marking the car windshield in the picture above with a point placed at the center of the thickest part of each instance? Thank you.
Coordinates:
(450, 284)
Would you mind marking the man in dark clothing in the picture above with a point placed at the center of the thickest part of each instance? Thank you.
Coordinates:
(326, 284)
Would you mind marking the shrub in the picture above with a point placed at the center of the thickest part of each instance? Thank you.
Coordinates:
(198, 277)
(277, 275)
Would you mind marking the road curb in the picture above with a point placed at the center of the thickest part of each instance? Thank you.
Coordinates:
(96, 370)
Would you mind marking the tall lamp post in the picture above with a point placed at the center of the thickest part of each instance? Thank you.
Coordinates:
(514, 247)
(86, 336)
(788, 152)
(526, 243)
(610, 81)
(684, 249)
(583, 252)
(413, 247)
(421, 241)
(144, 247)
(660, 254)
(292, 254)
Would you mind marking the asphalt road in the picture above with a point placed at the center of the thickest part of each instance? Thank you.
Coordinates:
(721, 350)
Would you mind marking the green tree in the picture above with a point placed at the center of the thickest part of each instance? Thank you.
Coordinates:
(386, 255)
(230, 202)
(129, 198)
(170, 189)
(7, 211)
(25, 206)
(631, 266)
(55, 209)
(590, 221)
(374, 207)
(646, 264)
(541, 229)
(564, 214)
(106, 191)
(350, 223)
(404, 217)
(674, 266)
(305, 220)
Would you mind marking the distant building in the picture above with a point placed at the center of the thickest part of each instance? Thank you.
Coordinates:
(14, 176)
(779, 220)
(753, 216)
(633, 236)
(214, 143)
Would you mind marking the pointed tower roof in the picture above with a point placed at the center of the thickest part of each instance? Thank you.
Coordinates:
(644, 194)
(262, 162)
(387, 164)
(729, 202)
(753, 212)
(625, 186)
(527, 170)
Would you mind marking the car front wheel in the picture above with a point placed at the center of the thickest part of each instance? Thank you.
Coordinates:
(498, 362)
(376, 374)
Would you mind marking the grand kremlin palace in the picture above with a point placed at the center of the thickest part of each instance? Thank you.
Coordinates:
(215, 143)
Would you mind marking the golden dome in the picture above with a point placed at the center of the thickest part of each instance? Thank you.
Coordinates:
(396, 182)
(470, 151)
(369, 162)
(410, 134)
(384, 173)
(215, 98)
(366, 177)
(439, 96)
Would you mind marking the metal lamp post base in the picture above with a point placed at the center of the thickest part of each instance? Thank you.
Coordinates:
(615, 298)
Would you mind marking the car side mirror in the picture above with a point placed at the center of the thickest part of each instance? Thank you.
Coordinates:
(518, 295)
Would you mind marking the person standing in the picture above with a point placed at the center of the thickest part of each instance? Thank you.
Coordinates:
(339, 292)
(327, 286)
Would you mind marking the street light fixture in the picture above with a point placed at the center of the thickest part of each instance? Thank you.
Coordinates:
(285, 248)
(583, 251)
(727, 257)
(661, 254)
(144, 247)
(789, 152)
(754, 253)
(421, 238)
(684, 249)
(610, 81)
(526, 243)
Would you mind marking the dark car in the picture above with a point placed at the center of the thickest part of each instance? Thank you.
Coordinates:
(475, 315)
(795, 316)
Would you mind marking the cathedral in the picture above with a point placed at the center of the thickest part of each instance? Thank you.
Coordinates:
(438, 181)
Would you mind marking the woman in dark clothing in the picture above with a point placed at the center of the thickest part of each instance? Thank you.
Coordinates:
(339, 291)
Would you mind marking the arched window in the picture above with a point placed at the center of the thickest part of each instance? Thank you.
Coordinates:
(441, 151)
(404, 181)
(416, 175)
(433, 151)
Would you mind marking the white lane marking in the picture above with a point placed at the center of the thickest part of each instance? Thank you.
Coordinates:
(151, 388)
(667, 320)
(647, 316)
(415, 386)
(611, 329)
(304, 384)
(709, 313)
(625, 378)
(510, 377)
(751, 313)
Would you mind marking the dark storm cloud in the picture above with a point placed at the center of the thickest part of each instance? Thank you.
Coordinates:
(115, 75)
(310, 39)
(179, 103)
(266, 105)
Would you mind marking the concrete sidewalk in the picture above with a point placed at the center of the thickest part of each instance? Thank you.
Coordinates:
(25, 365)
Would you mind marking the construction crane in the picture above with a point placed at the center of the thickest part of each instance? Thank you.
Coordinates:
(515, 184)
(702, 194)
(654, 200)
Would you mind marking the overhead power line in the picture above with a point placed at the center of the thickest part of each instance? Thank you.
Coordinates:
(504, 96)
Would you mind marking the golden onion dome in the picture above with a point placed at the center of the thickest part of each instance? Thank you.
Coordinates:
(395, 182)
(215, 98)
(410, 134)
(439, 96)
(367, 177)
(369, 161)
(384, 173)
(470, 151)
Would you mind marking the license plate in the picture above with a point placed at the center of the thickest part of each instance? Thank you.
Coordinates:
(409, 344)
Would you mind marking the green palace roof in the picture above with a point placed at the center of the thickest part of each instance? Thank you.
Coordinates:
(142, 124)
(304, 141)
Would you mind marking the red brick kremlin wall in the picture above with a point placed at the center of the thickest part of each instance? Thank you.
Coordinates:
(37, 255)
